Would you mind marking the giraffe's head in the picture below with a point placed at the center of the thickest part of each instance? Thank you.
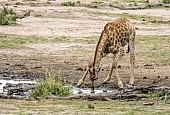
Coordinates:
(93, 74)
(93, 71)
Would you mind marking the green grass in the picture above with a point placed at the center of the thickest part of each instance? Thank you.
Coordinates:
(138, 17)
(166, 1)
(155, 94)
(88, 40)
(97, 1)
(80, 107)
(17, 41)
(131, 16)
(153, 49)
(61, 39)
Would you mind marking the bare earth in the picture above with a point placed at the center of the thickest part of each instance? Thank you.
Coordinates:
(69, 57)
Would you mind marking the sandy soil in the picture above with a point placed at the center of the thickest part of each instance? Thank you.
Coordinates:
(72, 22)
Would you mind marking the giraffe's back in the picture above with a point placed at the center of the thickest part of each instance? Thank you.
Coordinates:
(117, 34)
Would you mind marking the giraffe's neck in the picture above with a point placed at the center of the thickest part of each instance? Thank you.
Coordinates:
(98, 52)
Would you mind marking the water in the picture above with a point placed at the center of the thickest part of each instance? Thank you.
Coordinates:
(16, 87)
(87, 90)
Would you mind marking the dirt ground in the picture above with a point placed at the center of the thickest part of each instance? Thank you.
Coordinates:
(70, 57)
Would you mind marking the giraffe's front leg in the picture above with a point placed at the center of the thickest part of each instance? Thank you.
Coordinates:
(132, 57)
(120, 55)
(111, 70)
(110, 73)
(92, 85)
(132, 61)
(81, 81)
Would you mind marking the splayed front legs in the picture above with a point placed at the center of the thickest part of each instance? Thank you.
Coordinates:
(92, 78)
(114, 65)
(81, 81)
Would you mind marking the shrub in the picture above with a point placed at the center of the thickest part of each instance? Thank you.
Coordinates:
(7, 16)
(50, 86)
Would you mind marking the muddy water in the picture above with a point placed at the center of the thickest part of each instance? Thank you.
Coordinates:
(87, 90)
(16, 85)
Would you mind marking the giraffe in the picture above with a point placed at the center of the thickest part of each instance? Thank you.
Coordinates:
(115, 35)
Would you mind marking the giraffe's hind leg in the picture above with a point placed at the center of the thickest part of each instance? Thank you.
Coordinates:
(132, 57)
(120, 55)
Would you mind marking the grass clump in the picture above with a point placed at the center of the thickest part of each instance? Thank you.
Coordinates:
(50, 86)
(7, 16)
(69, 3)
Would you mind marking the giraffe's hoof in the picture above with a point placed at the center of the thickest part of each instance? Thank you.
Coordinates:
(130, 86)
(93, 91)
(95, 78)
(120, 84)
(105, 81)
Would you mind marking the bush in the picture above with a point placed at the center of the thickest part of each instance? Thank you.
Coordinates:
(50, 86)
(7, 16)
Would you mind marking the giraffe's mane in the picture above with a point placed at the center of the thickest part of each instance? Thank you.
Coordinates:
(97, 47)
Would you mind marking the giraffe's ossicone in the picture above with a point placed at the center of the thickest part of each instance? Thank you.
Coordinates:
(113, 39)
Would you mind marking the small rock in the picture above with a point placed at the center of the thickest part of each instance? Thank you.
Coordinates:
(159, 76)
(79, 69)
(148, 103)
(148, 66)
(104, 90)
(144, 77)
(166, 77)
(90, 106)
(119, 66)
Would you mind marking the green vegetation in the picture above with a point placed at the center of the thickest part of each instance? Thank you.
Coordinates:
(97, 1)
(132, 16)
(88, 40)
(155, 94)
(13, 41)
(7, 16)
(156, 50)
(166, 1)
(80, 107)
(38, 15)
(69, 3)
(61, 39)
(78, 2)
(138, 17)
(51, 85)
